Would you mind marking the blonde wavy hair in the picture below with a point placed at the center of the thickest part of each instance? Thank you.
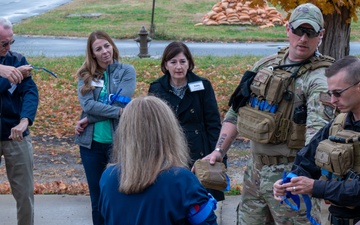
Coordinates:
(148, 140)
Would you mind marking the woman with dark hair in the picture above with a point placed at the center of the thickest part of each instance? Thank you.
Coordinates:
(150, 182)
(100, 76)
(193, 100)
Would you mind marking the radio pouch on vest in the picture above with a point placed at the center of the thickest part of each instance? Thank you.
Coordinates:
(337, 158)
(341, 152)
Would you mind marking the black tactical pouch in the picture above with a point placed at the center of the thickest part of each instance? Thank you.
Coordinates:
(241, 95)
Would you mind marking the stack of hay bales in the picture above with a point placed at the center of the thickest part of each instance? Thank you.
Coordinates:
(235, 12)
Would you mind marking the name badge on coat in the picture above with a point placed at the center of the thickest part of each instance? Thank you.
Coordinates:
(196, 86)
(99, 83)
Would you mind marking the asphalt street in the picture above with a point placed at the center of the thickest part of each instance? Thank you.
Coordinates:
(63, 46)
(60, 47)
(17, 10)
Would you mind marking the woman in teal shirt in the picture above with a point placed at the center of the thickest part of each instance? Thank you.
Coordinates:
(100, 76)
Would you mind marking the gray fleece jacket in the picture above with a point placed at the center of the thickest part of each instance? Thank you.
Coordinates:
(120, 76)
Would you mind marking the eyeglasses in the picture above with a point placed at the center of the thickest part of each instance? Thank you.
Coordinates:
(338, 93)
(300, 31)
(8, 43)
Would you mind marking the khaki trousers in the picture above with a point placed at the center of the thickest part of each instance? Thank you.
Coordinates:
(19, 169)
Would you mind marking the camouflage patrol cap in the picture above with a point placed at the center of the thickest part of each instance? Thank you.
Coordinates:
(307, 13)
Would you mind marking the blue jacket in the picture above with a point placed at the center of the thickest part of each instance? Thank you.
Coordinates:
(166, 202)
(21, 103)
(342, 193)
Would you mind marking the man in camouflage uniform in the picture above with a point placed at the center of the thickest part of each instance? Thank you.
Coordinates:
(305, 30)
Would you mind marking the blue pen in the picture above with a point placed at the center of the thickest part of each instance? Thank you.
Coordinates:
(113, 97)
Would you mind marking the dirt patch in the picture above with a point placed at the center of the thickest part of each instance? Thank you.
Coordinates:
(57, 159)
(58, 168)
(238, 156)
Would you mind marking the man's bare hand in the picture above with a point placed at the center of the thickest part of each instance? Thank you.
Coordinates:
(18, 130)
(11, 73)
(297, 185)
(213, 157)
(278, 190)
(25, 70)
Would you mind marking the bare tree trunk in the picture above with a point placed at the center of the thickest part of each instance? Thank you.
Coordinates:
(336, 41)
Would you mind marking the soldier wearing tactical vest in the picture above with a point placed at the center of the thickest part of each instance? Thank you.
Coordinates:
(279, 105)
(329, 166)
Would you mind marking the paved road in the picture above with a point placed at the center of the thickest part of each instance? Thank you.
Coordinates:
(17, 10)
(60, 47)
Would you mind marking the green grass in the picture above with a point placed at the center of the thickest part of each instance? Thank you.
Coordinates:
(174, 20)
(233, 191)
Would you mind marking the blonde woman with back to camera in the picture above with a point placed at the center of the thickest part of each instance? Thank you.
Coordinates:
(151, 182)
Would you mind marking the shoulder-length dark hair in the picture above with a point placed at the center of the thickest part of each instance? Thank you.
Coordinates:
(172, 50)
(90, 69)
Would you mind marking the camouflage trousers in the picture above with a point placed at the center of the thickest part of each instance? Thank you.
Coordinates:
(257, 204)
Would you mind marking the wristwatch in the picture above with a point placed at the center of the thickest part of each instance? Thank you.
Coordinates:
(221, 151)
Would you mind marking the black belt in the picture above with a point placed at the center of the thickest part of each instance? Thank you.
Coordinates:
(343, 221)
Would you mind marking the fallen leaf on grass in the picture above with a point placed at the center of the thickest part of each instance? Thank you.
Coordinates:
(55, 187)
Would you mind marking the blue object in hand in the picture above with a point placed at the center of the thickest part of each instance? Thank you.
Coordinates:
(122, 100)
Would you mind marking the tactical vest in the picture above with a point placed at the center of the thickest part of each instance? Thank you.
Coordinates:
(268, 117)
(340, 154)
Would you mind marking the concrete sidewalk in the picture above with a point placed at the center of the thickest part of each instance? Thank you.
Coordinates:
(50, 210)
(76, 210)
(227, 210)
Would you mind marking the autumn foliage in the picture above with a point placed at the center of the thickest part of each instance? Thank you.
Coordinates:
(59, 109)
(327, 7)
(55, 187)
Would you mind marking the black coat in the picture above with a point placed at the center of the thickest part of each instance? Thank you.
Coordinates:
(197, 113)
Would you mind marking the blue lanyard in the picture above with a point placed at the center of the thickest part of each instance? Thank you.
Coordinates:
(296, 199)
